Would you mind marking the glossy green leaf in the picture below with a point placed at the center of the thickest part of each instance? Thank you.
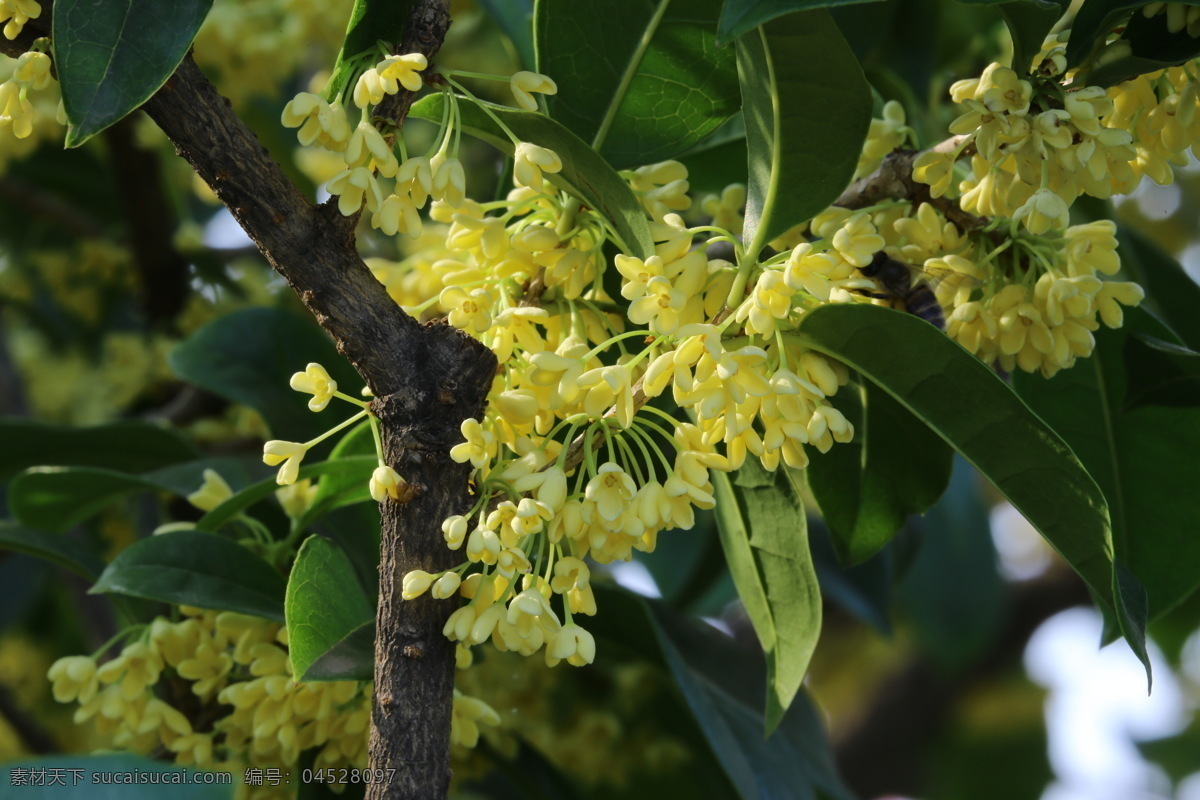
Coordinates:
(722, 684)
(807, 108)
(1141, 457)
(584, 173)
(742, 16)
(894, 467)
(325, 604)
(1152, 46)
(199, 569)
(1094, 20)
(515, 18)
(77, 556)
(124, 446)
(196, 786)
(112, 56)
(1028, 23)
(252, 494)
(249, 356)
(58, 498)
(642, 80)
(952, 591)
(981, 418)
(764, 533)
(351, 658)
(1169, 290)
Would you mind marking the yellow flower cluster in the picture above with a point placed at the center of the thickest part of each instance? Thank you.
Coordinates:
(15, 13)
(30, 73)
(1162, 111)
(524, 276)
(244, 709)
(1043, 139)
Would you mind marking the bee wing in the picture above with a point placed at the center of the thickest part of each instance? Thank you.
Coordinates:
(951, 286)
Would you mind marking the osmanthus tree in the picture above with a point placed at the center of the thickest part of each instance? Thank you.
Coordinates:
(725, 276)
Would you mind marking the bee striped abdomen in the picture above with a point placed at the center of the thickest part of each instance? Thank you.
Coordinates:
(920, 301)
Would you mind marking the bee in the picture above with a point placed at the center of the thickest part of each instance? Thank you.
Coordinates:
(917, 296)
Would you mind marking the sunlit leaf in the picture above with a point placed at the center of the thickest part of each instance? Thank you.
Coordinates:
(624, 83)
(325, 605)
(112, 56)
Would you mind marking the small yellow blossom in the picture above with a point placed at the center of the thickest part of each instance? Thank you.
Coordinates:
(211, 493)
(315, 381)
(386, 483)
(276, 451)
(523, 83)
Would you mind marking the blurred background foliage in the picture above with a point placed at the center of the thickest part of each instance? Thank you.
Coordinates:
(114, 254)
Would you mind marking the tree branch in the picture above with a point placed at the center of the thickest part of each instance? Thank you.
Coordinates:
(893, 180)
(427, 380)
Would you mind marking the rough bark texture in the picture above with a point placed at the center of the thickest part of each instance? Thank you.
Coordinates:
(427, 379)
(414, 662)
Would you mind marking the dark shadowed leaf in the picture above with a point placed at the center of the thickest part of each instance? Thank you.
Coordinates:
(123, 446)
(249, 356)
(642, 81)
(79, 557)
(199, 569)
(894, 467)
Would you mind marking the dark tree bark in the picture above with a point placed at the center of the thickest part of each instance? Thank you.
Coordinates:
(427, 379)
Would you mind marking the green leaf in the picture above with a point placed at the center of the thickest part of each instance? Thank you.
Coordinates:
(325, 604)
(807, 108)
(648, 89)
(1152, 47)
(1169, 290)
(763, 531)
(112, 56)
(584, 173)
(1028, 23)
(195, 787)
(199, 569)
(58, 498)
(722, 685)
(894, 467)
(982, 419)
(252, 494)
(742, 16)
(249, 356)
(1141, 457)
(124, 446)
(515, 18)
(77, 556)
(952, 590)
(351, 658)
(1093, 22)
